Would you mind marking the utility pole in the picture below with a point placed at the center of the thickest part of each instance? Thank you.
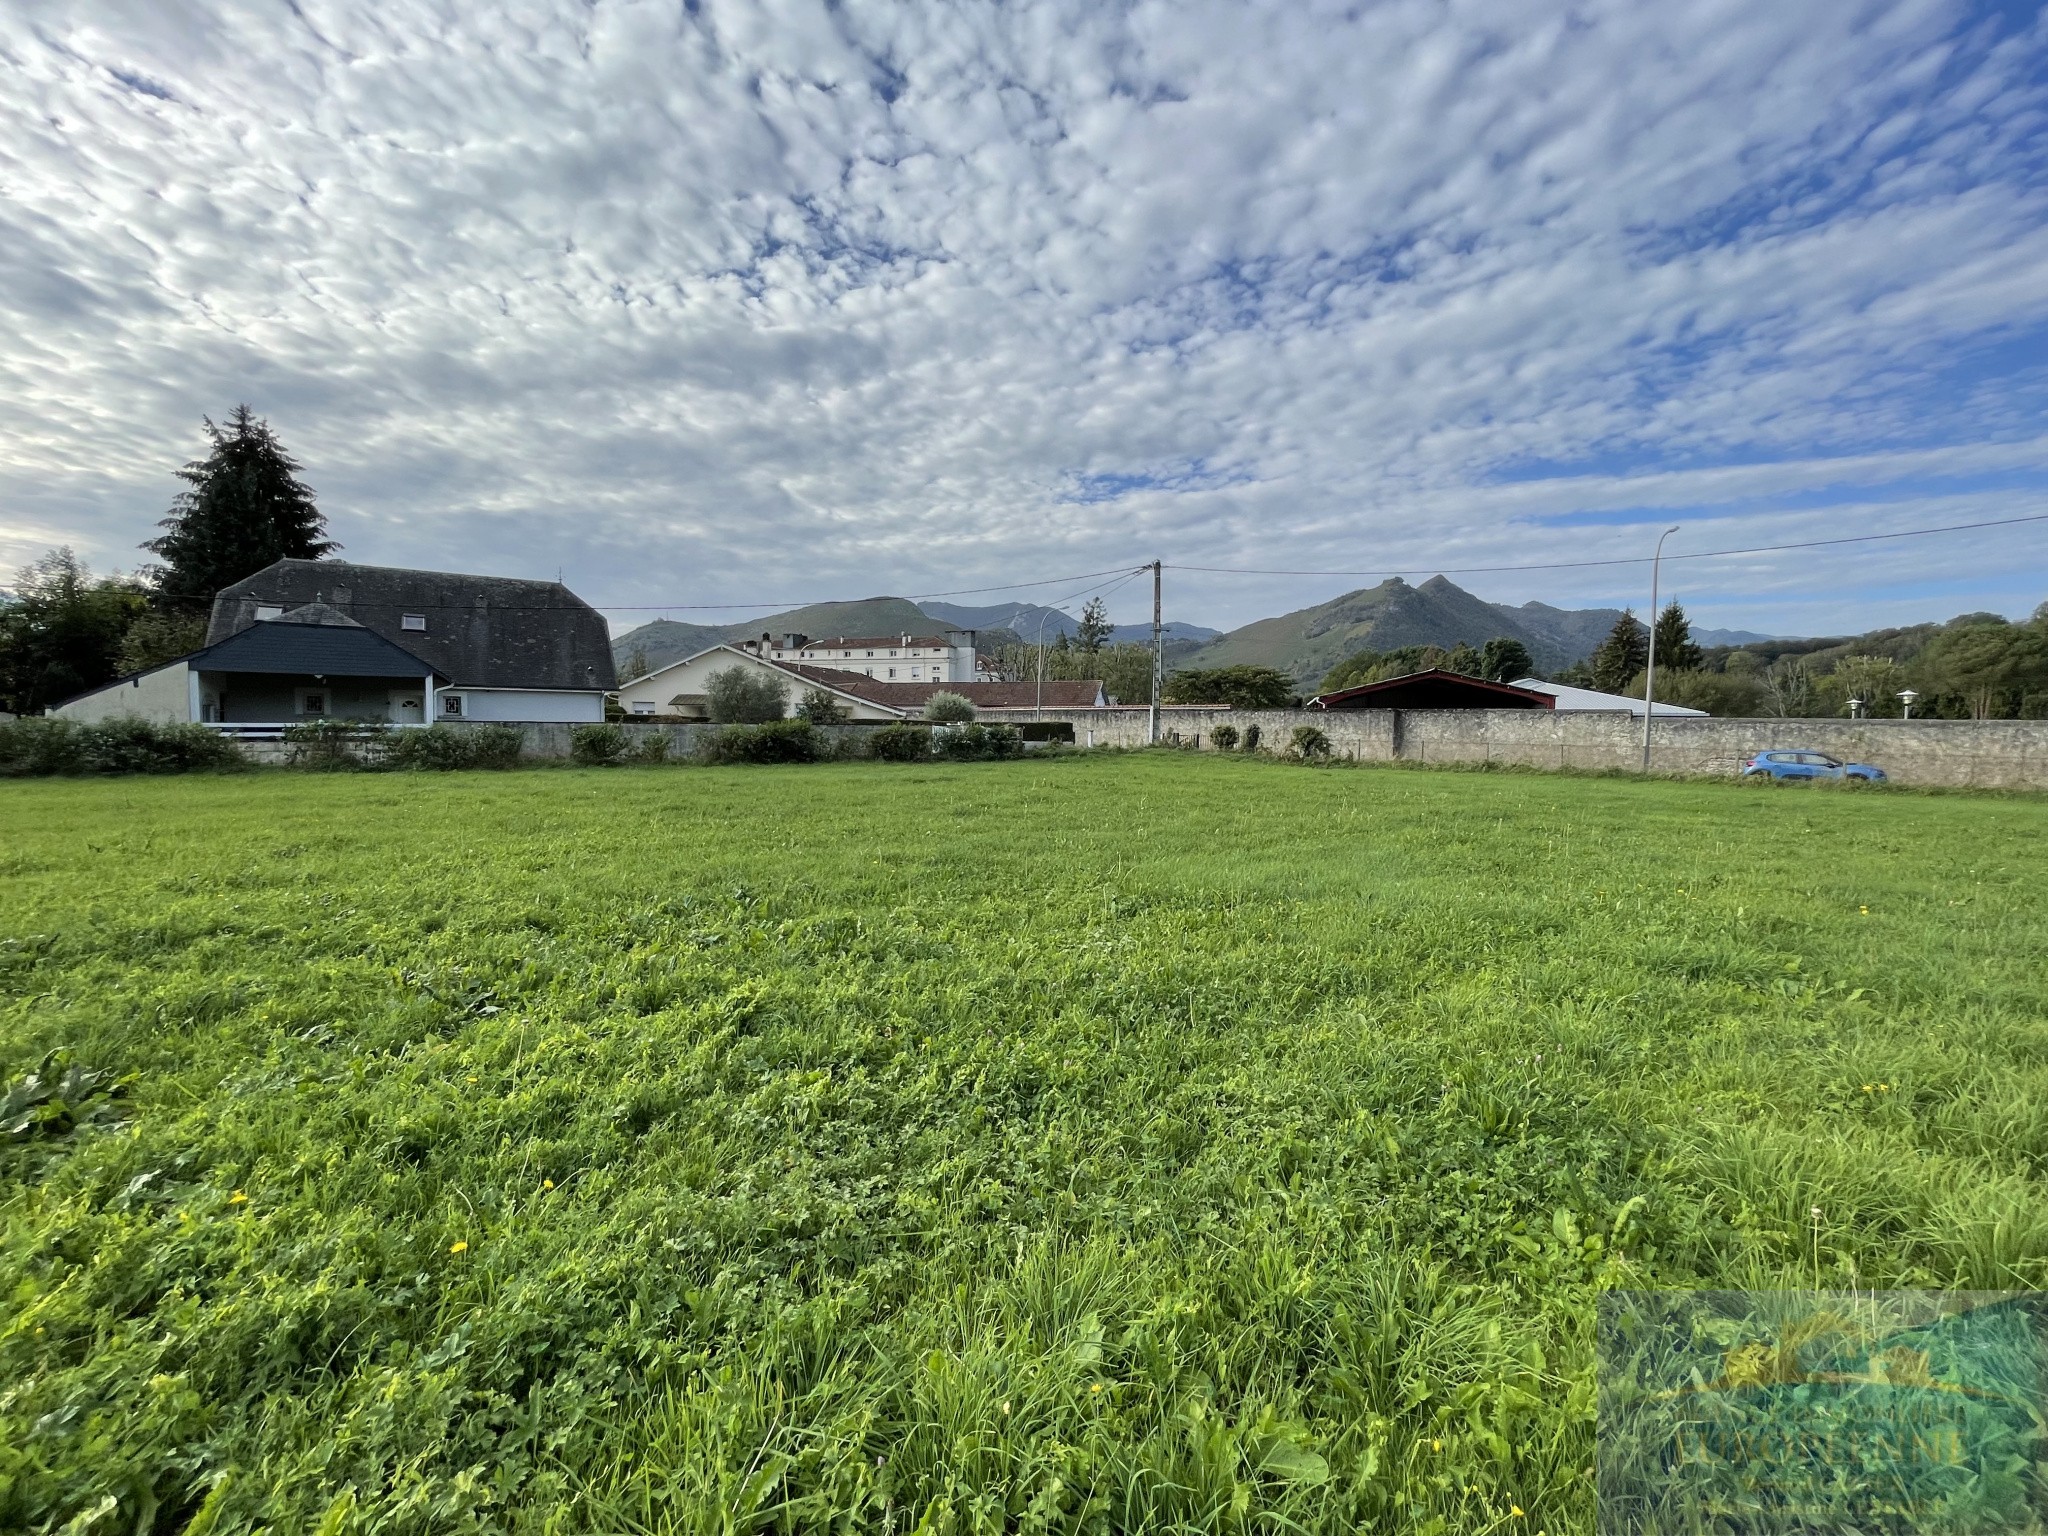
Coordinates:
(1650, 670)
(1158, 655)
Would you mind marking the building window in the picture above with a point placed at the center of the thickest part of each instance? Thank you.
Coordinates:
(451, 704)
(643, 706)
(269, 611)
(416, 621)
(312, 701)
(892, 671)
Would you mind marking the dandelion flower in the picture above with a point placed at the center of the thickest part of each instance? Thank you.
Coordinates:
(238, 1198)
(1514, 1509)
(458, 1247)
(547, 1183)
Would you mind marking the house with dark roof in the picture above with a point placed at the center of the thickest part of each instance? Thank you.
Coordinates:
(305, 639)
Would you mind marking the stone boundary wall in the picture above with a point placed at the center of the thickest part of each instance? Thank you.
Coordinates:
(1985, 754)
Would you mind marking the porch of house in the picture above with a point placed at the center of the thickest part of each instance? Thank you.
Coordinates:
(278, 699)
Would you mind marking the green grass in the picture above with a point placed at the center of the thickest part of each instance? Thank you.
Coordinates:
(1137, 1143)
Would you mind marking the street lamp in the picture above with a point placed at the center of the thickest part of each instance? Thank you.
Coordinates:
(1038, 708)
(1906, 697)
(1650, 670)
(1856, 709)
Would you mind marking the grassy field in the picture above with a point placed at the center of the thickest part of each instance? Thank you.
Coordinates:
(1137, 1143)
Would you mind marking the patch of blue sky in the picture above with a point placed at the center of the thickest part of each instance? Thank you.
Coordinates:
(1090, 489)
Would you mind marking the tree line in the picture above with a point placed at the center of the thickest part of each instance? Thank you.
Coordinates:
(65, 631)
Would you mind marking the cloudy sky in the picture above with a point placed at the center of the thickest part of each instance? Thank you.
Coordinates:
(750, 301)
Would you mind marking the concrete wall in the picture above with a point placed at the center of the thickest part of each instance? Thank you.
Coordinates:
(164, 695)
(2001, 754)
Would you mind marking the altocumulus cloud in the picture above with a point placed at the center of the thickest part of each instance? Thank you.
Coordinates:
(703, 301)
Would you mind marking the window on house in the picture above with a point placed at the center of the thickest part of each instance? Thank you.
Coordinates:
(312, 702)
(451, 703)
(269, 611)
(643, 706)
(892, 671)
(412, 621)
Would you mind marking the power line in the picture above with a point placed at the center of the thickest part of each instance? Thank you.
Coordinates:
(1573, 565)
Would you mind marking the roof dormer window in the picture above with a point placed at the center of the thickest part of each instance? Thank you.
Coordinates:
(415, 621)
(269, 611)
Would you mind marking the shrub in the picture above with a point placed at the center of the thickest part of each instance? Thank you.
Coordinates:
(131, 745)
(653, 747)
(444, 747)
(745, 696)
(39, 746)
(598, 746)
(901, 743)
(777, 741)
(817, 707)
(1309, 743)
(330, 745)
(1251, 739)
(496, 746)
(948, 708)
(961, 743)
(34, 746)
(1005, 741)
(1223, 738)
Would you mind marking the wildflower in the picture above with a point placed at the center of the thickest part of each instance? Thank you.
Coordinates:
(547, 1183)
(1514, 1509)
(1006, 1408)
(238, 1198)
(1436, 1445)
(1864, 910)
(458, 1247)
(1869, 1088)
(1096, 1388)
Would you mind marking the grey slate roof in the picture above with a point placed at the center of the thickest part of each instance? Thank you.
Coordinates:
(482, 631)
(310, 642)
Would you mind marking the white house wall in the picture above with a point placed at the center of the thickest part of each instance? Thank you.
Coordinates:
(692, 678)
(164, 696)
(523, 704)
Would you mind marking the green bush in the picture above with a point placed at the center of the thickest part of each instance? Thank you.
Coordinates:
(598, 746)
(38, 746)
(819, 708)
(496, 746)
(901, 743)
(1005, 741)
(1251, 739)
(776, 741)
(745, 696)
(1224, 738)
(948, 708)
(976, 743)
(653, 748)
(330, 745)
(1309, 744)
(445, 747)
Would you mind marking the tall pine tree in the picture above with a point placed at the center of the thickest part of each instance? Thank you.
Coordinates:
(246, 508)
(1675, 647)
(1622, 654)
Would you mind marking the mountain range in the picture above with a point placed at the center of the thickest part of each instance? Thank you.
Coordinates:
(1304, 644)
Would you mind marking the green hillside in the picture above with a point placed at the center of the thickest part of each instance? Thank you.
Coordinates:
(1307, 643)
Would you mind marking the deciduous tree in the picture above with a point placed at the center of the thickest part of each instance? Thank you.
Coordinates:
(62, 634)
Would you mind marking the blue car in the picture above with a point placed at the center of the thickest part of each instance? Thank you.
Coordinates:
(1809, 765)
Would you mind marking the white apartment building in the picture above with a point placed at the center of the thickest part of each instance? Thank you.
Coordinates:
(885, 658)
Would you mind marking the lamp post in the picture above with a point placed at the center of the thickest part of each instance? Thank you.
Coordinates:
(1650, 670)
(1038, 708)
(1856, 709)
(1906, 697)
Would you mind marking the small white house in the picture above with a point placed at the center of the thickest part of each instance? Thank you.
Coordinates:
(1586, 699)
(681, 690)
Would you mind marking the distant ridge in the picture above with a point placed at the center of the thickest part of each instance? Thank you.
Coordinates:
(1308, 642)
(1304, 644)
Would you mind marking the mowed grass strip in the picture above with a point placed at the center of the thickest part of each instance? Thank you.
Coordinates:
(1097, 1144)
